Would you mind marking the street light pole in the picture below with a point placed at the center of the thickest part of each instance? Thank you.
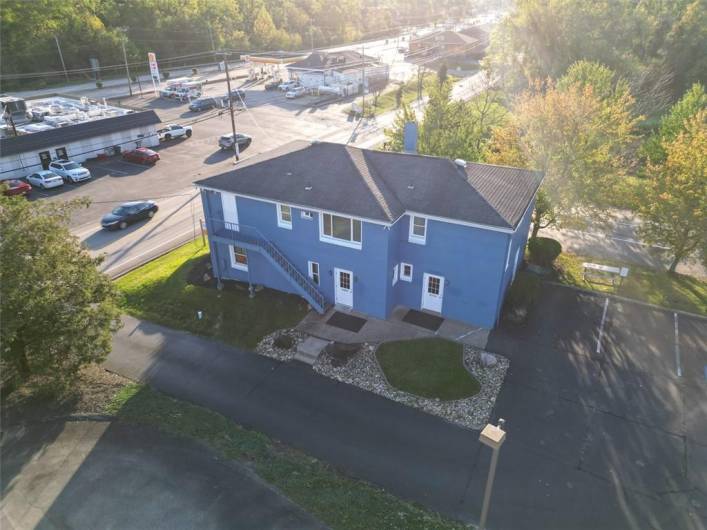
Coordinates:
(236, 148)
(493, 436)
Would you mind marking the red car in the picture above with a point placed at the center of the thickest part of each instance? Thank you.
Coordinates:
(141, 155)
(16, 187)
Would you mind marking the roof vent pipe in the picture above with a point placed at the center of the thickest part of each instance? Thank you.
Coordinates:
(460, 162)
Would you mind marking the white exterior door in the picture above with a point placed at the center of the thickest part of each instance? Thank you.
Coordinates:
(343, 288)
(432, 292)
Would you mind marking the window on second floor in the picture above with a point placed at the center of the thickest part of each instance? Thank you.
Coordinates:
(418, 229)
(341, 230)
(284, 216)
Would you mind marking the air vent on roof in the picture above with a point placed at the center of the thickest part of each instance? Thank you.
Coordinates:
(411, 187)
(308, 188)
(460, 162)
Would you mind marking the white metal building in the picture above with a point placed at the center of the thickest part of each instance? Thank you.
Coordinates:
(72, 129)
(344, 70)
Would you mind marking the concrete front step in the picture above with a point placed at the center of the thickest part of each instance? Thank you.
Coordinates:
(308, 350)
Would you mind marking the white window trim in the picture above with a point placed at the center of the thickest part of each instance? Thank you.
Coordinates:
(311, 272)
(413, 238)
(280, 222)
(341, 242)
(395, 274)
(402, 272)
(306, 214)
(234, 263)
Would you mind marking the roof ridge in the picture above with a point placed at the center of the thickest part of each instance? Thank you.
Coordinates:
(462, 171)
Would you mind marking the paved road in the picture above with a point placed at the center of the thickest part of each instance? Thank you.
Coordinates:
(95, 474)
(611, 440)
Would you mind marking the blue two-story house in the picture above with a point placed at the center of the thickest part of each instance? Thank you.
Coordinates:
(371, 230)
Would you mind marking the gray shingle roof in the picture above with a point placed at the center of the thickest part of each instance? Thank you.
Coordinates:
(72, 133)
(380, 185)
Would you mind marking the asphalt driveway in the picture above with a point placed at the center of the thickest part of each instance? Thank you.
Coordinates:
(602, 431)
(97, 474)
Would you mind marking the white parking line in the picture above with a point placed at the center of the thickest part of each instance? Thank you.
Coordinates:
(678, 365)
(601, 326)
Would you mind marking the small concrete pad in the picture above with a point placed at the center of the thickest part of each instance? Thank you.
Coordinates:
(308, 350)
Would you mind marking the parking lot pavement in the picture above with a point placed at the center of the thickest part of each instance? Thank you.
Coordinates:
(606, 404)
(95, 474)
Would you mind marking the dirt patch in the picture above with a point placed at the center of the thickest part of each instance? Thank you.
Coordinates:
(340, 354)
(201, 274)
(94, 389)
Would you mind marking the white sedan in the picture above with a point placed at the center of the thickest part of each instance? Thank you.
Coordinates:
(45, 179)
(295, 92)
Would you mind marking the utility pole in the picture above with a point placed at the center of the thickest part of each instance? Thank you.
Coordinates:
(127, 70)
(66, 75)
(211, 38)
(236, 148)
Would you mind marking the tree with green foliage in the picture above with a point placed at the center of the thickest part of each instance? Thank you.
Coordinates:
(583, 143)
(442, 75)
(674, 122)
(674, 205)
(58, 311)
(395, 135)
(656, 46)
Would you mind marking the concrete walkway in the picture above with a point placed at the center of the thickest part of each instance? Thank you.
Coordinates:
(378, 330)
(412, 454)
(82, 475)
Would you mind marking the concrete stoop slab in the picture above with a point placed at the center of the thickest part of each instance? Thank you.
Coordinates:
(309, 349)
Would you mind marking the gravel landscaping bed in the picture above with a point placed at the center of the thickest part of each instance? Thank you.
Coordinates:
(275, 345)
(364, 371)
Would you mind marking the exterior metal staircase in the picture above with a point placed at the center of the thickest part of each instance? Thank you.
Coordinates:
(250, 238)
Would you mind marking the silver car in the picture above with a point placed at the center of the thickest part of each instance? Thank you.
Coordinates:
(70, 171)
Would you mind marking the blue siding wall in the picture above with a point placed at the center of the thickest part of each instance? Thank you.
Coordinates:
(301, 244)
(470, 260)
(517, 250)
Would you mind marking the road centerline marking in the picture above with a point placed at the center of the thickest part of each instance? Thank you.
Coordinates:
(601, 326)
(678, 365)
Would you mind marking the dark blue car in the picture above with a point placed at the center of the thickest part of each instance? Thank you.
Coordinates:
(128, 213)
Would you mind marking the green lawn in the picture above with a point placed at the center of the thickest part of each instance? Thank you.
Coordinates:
(674, 291)
(429, 368)
(158, 291)
(337, 500)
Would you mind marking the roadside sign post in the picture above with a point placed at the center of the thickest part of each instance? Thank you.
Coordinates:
(154, 72)
(492, 436)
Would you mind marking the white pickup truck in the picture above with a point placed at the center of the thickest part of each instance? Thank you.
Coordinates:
(174, 130)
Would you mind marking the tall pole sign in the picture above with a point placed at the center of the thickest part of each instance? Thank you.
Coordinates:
(154, 72)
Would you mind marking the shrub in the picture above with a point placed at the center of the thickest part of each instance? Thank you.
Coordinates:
(544, 250)
(521, 297)
(284, 342)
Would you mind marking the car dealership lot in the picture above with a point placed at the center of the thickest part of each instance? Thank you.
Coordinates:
(606, 403)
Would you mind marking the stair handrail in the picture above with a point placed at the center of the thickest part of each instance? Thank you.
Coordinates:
(275, 253)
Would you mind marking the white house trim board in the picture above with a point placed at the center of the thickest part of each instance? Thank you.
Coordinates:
(455, 221)
(412, 236)
(403, 276)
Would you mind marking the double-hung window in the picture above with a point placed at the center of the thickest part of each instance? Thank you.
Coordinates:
(418, 229)
(284, 216)
(340, 230)
(314, 271)
(239, 258)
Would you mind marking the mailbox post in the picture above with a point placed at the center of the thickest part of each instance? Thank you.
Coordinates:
(492, 436)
